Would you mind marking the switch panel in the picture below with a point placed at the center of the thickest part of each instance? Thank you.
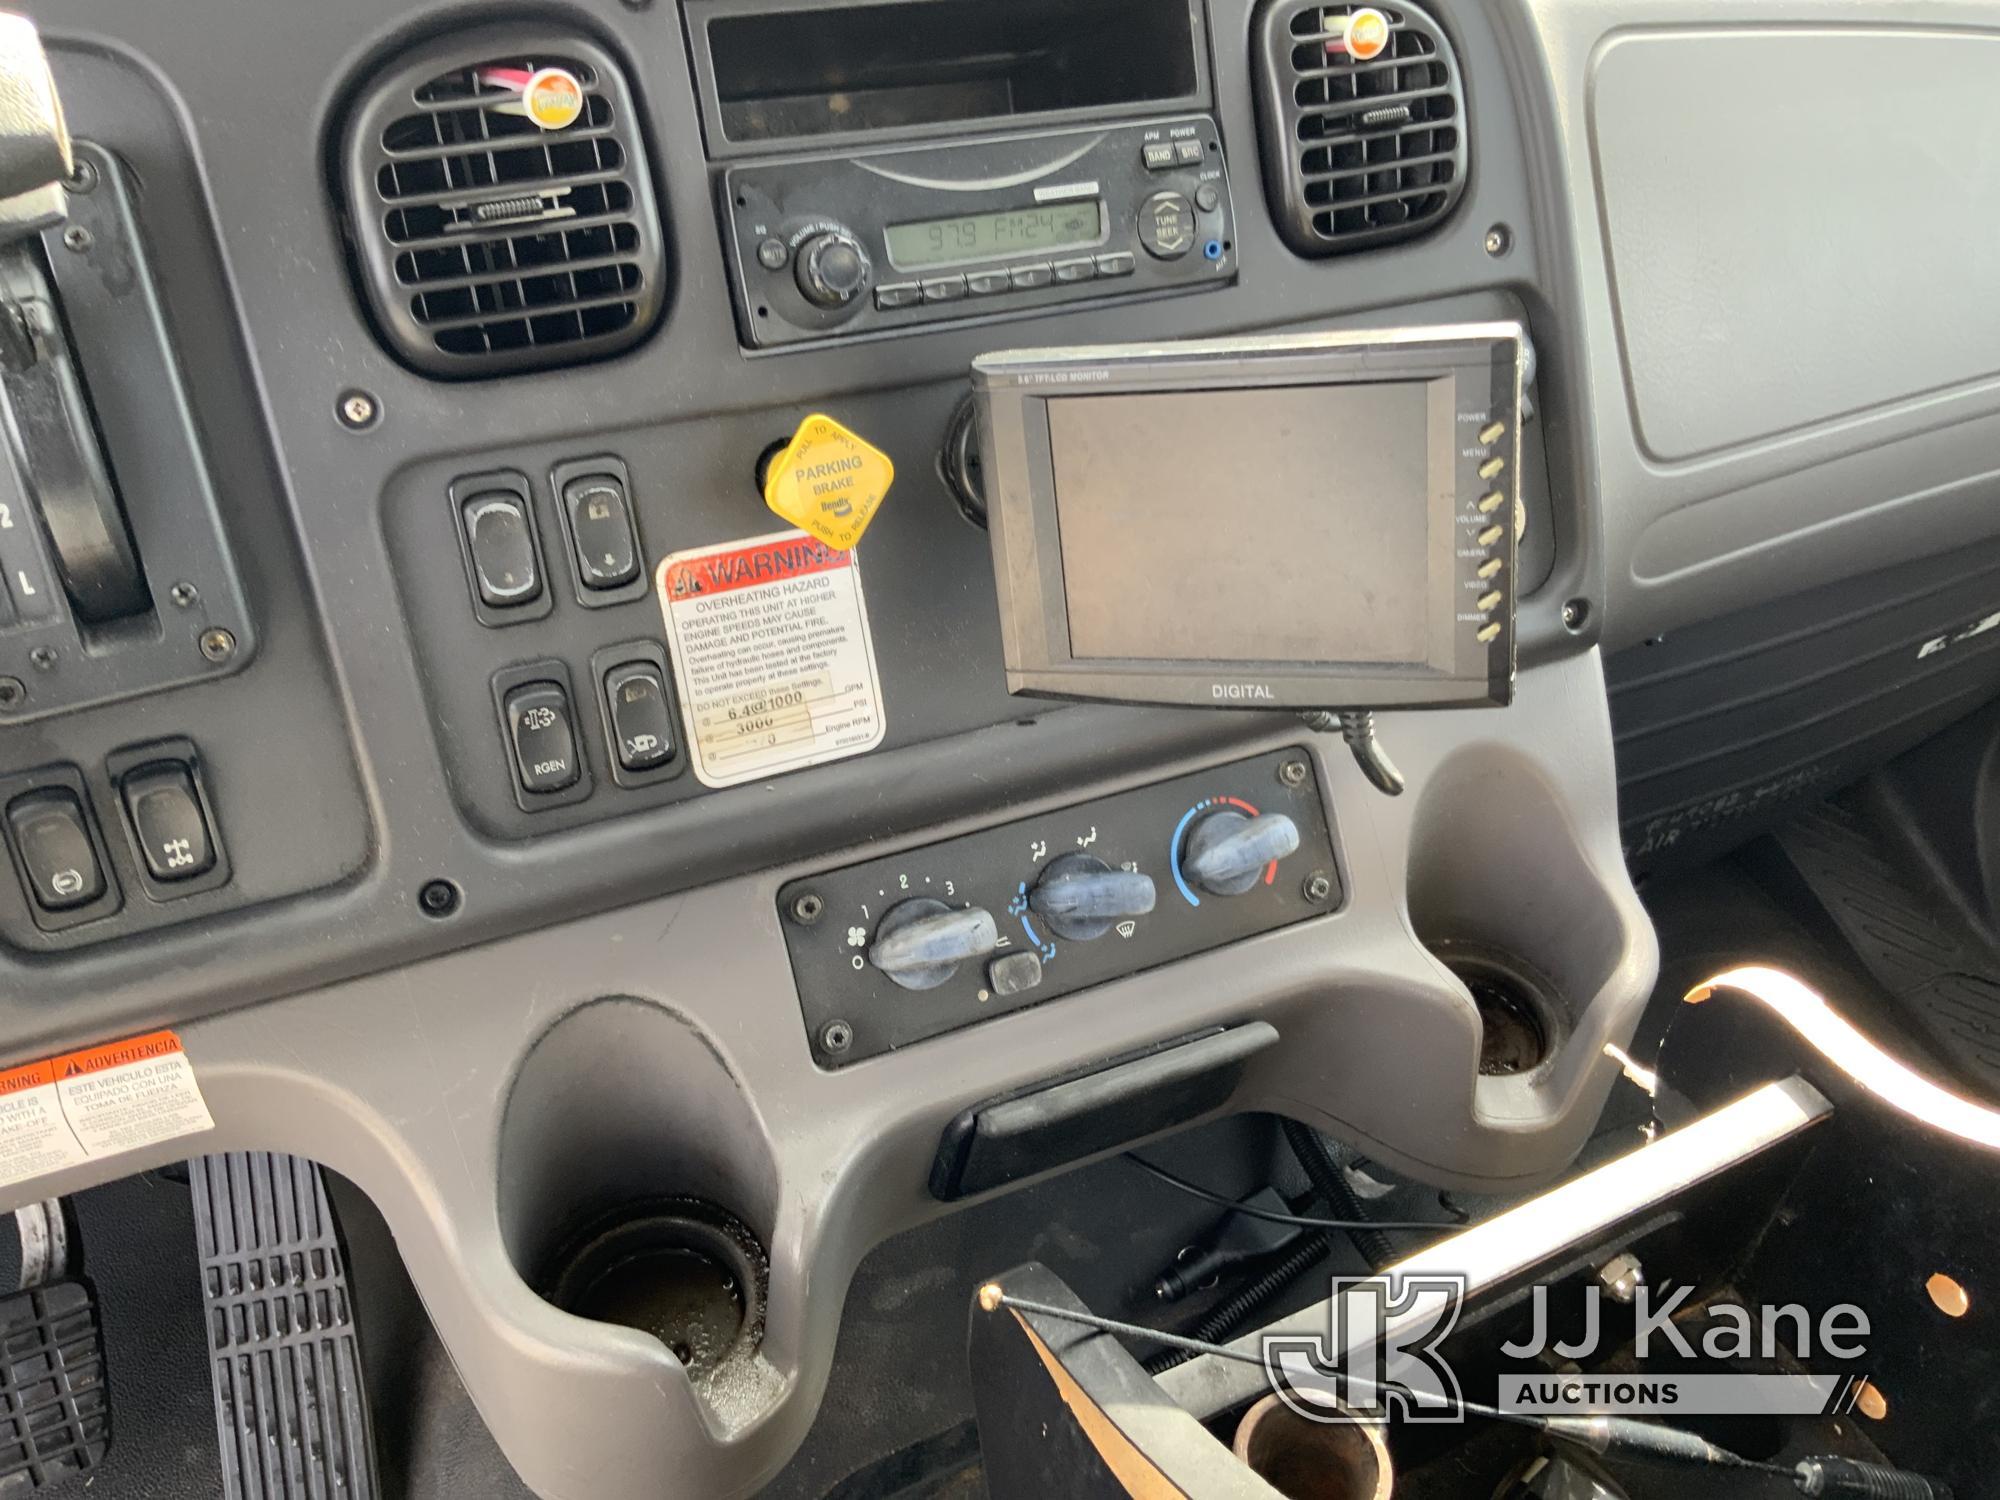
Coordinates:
(594, 500)
(494, 516)
(168, 818)
(57, 849)
(1050, 905)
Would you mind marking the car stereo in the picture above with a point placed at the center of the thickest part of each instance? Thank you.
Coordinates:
(881, 241)
(1315, 521)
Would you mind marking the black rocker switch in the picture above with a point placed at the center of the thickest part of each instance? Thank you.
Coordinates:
(166, 815)
(640, 723)
(600, 526)
(544, 734)
(503, 549)
(56, 851)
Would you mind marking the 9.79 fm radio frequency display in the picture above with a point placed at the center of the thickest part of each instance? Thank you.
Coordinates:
(988, 236)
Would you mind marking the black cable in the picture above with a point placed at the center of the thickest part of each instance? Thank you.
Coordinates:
(1332, 1186)
(1220, 1201)
(1226, 1317)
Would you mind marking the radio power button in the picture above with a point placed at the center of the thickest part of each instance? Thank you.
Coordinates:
(1166, 226)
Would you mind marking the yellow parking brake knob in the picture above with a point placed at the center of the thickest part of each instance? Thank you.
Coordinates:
(828, 481)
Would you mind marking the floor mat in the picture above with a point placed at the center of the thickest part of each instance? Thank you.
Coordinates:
(1941, 978)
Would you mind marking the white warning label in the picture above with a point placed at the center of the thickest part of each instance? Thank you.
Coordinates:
(64, 1111)
(772, 656)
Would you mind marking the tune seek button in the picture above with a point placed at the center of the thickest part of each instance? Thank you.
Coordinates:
(1166, 226)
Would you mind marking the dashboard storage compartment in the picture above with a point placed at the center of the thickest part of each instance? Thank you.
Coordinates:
(772, 73)
(637, 1188)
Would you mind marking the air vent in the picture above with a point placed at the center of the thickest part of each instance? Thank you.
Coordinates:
(1357, 152)
(486, 243)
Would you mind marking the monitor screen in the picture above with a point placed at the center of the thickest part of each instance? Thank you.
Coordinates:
(1152, 491)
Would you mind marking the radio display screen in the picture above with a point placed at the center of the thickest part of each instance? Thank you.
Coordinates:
(990, 236)
(1281, 524)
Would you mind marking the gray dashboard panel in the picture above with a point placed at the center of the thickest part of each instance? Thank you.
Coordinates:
(1781, 266)
(659, 1048)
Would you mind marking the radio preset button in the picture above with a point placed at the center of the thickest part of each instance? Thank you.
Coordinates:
(1082, 269)
(1158, 155)
(1029, 278)
(899, 294)
(986, 283)
(944, 288)
(1117, 263)
(1188, 153)
(1166, 226)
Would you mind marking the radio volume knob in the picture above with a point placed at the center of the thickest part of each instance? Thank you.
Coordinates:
(832, 269)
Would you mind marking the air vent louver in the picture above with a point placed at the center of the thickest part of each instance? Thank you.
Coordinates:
(487, 244)
(1357, 153)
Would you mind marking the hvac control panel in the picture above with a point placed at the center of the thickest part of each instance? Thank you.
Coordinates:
(901, 949)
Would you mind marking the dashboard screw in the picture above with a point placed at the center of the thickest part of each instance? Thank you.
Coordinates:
(183, 594)
(77, 238)
(217, 644)
(807, 908)
(1576, 614)
(1499, 240)
(44, 658)
(82, 179)
(836, 1036)
(438, 898)
(356, 410)
(1292, 773)
(13, 693)
(1318, 886)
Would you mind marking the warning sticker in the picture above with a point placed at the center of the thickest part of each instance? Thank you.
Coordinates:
(772, 655)
(65, 1111)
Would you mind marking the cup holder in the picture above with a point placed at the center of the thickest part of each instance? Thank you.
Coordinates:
(1504, 893)
(637, 1190)
(1520, 1025)
(683, 1270)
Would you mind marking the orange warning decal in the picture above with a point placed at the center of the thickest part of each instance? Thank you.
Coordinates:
(28, 1076)
(720, 572)
(137, 1049)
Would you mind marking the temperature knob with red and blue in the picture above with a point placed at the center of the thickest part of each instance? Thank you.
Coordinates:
(1223, 846)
